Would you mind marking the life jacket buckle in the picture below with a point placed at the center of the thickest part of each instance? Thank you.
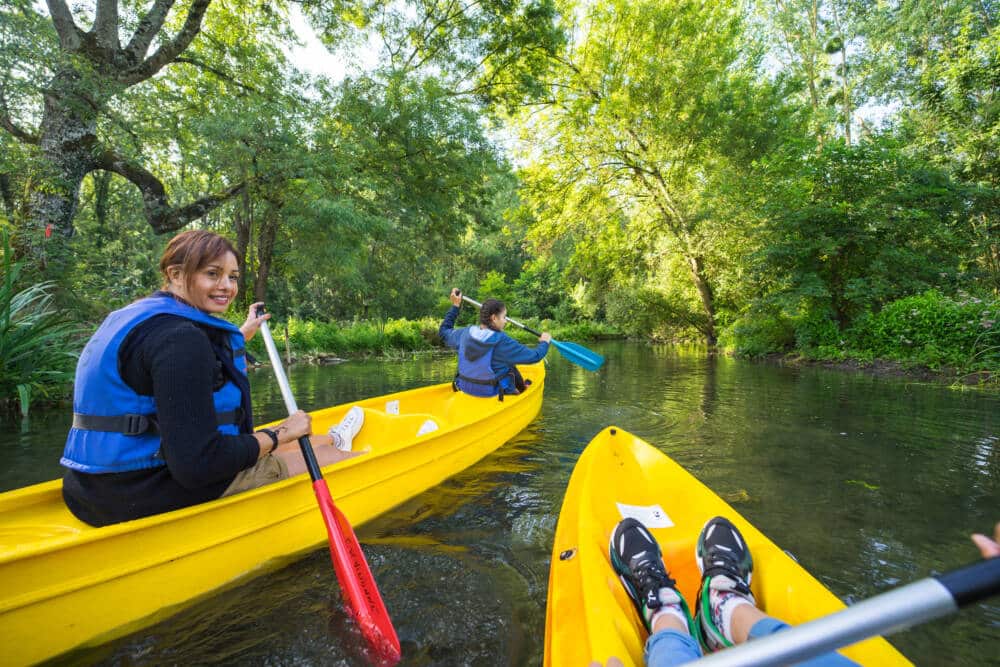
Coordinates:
(135, 424)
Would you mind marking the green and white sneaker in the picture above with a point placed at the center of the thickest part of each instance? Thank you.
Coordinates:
(726, 568)
(638, 561)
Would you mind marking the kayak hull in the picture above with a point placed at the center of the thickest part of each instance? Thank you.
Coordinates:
(589, 616)
(65, 585)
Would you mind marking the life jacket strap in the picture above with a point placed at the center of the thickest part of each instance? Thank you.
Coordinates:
(490, 383)
(133, 424)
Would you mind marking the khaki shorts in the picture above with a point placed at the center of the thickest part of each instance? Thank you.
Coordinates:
(266, 471)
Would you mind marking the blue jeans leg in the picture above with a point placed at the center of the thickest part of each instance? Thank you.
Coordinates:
(668, 648)
(768, 626)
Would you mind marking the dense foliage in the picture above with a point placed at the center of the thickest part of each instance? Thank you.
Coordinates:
(36, 340)
(774, 177)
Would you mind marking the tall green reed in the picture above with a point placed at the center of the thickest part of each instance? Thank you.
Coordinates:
(39, 344)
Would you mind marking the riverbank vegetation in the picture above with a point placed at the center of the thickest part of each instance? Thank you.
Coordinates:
(304, 339)
(815, 177)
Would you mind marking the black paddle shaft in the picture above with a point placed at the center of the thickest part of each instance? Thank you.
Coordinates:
(312, 465)
(973, 583)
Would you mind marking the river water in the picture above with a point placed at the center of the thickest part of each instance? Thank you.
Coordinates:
(870, 482)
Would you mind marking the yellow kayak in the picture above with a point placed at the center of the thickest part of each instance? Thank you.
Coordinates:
(64, 584)
(589, 616)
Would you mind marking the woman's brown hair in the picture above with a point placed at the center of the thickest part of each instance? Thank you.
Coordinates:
(193, 250)
(490, 308)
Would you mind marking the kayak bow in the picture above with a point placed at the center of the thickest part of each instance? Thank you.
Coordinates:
(589, 616)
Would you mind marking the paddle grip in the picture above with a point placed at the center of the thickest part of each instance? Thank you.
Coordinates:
(973, 583)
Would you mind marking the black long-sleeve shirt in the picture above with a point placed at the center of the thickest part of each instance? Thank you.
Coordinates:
(174, 360)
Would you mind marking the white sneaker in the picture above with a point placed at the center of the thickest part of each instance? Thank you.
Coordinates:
(348, 428)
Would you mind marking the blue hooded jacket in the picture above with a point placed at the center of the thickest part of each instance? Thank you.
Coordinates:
(505, 352)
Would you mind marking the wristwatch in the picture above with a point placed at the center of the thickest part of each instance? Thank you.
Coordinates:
(274, 438)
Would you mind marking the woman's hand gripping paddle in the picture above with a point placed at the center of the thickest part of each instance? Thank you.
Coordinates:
(355, 577)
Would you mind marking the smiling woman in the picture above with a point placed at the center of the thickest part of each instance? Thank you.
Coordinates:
(162, 417)
(210, 287)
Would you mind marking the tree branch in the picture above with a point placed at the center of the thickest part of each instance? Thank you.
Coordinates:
(217, 72)
(70, 36)
(106, 24)
(149, 25)
(7, 123)
(169, 51)
(163, 217)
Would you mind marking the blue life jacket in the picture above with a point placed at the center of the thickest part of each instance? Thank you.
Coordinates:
(476, 376)
(114, 427)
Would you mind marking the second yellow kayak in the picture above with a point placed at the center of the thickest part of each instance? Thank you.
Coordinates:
(589, 616)
(66, 585)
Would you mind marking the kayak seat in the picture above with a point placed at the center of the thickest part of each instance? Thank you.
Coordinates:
(381, 428)
(461, 408)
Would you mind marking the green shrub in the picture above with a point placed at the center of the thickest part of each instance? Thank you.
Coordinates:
(403, 335)
(328, 337)
(579, 331)
(365, 336)
(39, 345)
(647, 312)
(935, 330)
(757, 334)
(816, 329)
(399, 335)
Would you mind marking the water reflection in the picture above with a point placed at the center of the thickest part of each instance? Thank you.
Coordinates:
(870, 482)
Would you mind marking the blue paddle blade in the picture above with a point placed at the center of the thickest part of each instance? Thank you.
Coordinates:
(579, 355)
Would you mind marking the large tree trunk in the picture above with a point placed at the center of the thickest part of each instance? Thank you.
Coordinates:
(67, 141)
(265, 251)
(707, 298)
(243, 220)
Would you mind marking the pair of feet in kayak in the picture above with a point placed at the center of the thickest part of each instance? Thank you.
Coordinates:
(726, 566)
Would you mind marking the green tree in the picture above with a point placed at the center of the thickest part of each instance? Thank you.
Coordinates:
(396, 178)
(815, 41)
(853, 227)
(79, 74)
(496, 52)
(629, 131)
(940, 64)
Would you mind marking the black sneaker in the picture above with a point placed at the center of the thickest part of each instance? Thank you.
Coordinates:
(637, 560)
(726, 566)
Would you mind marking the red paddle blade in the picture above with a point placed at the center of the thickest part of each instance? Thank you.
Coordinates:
(356, 580)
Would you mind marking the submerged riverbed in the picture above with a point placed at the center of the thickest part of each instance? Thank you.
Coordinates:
(870, 482)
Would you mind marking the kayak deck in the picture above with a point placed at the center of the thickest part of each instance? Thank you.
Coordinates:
(64, 584)
(590, 616)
